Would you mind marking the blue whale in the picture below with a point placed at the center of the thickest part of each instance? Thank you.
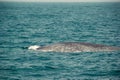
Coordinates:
(74, 47)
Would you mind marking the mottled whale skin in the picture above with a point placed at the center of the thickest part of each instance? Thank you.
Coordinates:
(74, 47)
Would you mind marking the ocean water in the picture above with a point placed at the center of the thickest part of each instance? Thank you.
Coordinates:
(26, 24)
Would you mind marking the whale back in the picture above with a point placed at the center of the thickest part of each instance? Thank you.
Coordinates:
(77, 47)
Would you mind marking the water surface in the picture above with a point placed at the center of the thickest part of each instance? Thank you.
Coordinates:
(25, 24)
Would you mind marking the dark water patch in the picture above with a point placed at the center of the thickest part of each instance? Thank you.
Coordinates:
(42, 16)
(36, 75)
(114, 73)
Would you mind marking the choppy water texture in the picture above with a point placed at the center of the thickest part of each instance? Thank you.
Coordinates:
(25, 24)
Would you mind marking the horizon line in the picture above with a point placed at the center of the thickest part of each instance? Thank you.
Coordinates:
(54, 1)
(61, 1)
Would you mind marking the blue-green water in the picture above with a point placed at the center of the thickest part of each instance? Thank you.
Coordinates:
(26, 24)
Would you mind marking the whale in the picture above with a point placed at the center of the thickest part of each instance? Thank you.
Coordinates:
(74, 47)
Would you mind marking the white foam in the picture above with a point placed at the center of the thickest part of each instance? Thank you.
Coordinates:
(34, 47)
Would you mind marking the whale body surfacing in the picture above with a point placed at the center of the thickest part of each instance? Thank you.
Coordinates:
(74, 47)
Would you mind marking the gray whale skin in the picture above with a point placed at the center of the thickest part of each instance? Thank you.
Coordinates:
(74, 47)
